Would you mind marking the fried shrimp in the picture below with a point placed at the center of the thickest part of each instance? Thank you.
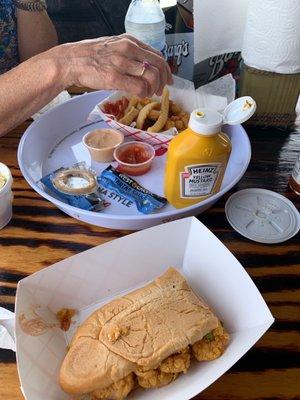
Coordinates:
(212, 345)
(154, 378)
(117, 391)
(177, 363)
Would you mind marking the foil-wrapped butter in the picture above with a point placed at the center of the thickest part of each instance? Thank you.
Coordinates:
(76, 181)
(77, 185)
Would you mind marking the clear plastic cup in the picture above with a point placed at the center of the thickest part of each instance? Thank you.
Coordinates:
(6, 196)
(134, 158)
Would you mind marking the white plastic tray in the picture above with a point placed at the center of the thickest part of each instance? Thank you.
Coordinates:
(54, 141)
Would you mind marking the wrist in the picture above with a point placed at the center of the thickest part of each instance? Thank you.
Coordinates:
(60, 65)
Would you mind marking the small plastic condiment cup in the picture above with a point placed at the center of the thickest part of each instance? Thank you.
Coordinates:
(6, 196)
(134, 169)
(102, 154)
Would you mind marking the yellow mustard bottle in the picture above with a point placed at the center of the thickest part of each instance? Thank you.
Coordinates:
(196, 160)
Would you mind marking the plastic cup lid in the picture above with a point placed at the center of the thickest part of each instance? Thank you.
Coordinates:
(239, 110)
(262, 215)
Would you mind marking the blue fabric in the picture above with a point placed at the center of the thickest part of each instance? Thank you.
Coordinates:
(8, 36)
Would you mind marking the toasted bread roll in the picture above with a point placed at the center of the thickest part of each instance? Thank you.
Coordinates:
(146, 332)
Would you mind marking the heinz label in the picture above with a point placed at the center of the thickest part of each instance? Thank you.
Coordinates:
(198, 180)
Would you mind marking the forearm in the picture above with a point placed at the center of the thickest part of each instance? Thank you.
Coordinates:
(106, 63)
(30, 86)
(36, 33)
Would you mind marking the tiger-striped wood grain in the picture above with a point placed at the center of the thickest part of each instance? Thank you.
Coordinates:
(40, 235)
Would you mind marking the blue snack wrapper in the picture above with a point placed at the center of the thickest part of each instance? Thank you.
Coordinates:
(90, 201)
(146, 202)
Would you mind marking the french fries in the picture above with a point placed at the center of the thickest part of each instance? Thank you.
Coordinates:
(132, 103)
(130, 116)
(143, 114)
(149, 114)
(154, 115)
(164, 112)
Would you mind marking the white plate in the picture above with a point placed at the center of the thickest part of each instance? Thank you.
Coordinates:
(96, 276)
(54, 141)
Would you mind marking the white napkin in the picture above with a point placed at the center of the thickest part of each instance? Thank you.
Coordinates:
(7, 326)
(217, 94)
(61, 98)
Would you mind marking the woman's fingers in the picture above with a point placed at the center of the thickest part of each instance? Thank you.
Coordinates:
(141, 44)
(134, 85)
(133, 51)
(121, 63)
(149, 48)
(135, 68)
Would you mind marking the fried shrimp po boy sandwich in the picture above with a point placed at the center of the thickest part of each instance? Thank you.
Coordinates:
(143, 339)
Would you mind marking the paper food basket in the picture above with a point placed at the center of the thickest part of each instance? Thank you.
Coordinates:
(90, 279)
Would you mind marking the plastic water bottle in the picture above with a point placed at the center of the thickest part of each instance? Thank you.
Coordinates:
(146, 21)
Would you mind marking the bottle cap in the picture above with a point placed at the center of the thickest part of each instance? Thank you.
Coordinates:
(209, 122)
(205, 121)
(262, 215)
(239, 110)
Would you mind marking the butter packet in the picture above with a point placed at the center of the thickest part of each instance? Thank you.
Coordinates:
(77, 186)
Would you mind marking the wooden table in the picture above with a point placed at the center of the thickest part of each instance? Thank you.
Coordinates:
(40, 235)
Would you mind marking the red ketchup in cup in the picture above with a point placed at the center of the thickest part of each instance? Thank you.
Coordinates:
(134, 158)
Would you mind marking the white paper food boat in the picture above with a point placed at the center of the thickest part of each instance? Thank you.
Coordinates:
(89, 279)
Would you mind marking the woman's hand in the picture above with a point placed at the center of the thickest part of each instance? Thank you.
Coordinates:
(106, 63)
(115, 63)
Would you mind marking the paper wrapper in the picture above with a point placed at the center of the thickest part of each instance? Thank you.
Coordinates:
(183, 93)
(7, 326)
(59, 99)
